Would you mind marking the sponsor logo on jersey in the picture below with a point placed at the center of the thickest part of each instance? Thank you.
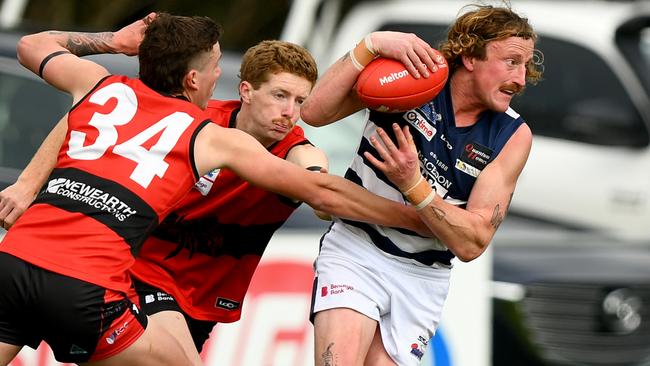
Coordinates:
(204, 185)
(448, 144)
(468, 169)
(91, 196)
(438, 181)
(226, 304)
(417, 120)
(474, 158)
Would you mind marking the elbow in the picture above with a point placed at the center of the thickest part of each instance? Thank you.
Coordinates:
(312, 115)
(25, 44)
(471, 252)
(27, 51)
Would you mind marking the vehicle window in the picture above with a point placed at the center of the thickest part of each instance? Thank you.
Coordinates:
(432, 33)
(633, 39)
(580, 98)
(28, 110)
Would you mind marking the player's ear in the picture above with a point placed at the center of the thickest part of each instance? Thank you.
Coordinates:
(191, 80)
(468, 62)
(245, 89)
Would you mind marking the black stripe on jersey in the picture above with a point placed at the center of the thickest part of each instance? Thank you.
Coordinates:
(121, 210)
(89, 92)
(365, 146)
(427, 257)
(195, 171)
(351, 175)
(209, 237)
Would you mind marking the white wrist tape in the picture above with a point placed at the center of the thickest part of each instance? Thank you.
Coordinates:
(369, 45)
(355, 63)
(406, 192)
(425, 202)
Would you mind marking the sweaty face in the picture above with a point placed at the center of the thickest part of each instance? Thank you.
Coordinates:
(275, 106)
(503, 73)
(206, 77)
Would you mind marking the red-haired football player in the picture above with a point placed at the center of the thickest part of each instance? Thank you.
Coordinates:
(380, 290)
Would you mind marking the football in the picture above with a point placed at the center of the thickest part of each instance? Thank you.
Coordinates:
(386, 86)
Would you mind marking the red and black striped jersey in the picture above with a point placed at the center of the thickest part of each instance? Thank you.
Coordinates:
(206, 252)
(124, 163)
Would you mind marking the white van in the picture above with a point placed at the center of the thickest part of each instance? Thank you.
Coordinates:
(590, 163)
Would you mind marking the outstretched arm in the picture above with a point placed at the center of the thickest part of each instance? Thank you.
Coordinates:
(466, 232)
(308, 156)
(15, 199)
(334, 97)
(218, 147)
(54, 55)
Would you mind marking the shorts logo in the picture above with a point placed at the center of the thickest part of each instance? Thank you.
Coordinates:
(418, 348)
(416, 351)
(148, 299)
(163, 296)
(76, 350)
(116, 333)
(421, 124)
(226, 304)
(335, 289)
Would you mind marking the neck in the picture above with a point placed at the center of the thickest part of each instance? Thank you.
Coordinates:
(466, 108)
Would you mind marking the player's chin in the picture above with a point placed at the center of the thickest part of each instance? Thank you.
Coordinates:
(502, 103)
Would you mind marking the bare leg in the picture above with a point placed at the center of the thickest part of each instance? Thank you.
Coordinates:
(8, 352)
(175, 324)
(342, 337)
(156, 347)
(377, 355)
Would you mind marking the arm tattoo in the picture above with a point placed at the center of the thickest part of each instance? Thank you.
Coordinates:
(440, 214)
(497, 217)
(327, 357)
(83, 44)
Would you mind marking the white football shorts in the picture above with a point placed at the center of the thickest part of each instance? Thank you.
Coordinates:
(404, 298)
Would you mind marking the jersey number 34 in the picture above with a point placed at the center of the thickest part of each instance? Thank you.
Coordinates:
(150, 162)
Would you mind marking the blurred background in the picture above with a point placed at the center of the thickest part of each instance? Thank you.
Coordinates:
(566, 281)
(245, 22)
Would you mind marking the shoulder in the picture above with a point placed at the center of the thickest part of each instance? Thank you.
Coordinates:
(220, 111)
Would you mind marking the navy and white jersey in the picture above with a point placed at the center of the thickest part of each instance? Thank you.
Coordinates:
(451, 158)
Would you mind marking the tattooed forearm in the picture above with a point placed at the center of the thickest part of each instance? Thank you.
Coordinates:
(327, 358)
(497, 217)
(83, 44)
(440, 214)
